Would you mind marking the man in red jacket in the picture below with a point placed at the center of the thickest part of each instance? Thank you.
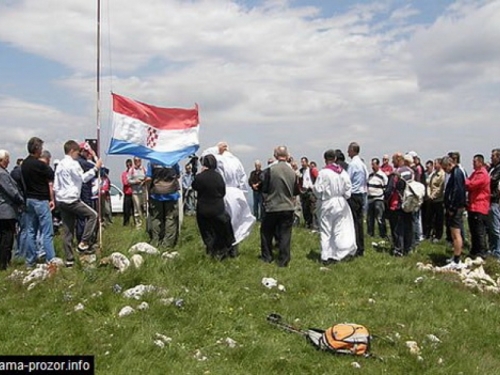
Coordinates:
(478, 187)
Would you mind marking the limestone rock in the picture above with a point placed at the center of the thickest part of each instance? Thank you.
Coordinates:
(137, 260)
(138, 291)
(269, 282)
(118, 260)
(144, 247)
(127, 310)
(413, 346)
(170, 255)
(41, 272)
(143, 306)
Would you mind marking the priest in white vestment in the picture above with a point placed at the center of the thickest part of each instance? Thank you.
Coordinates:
(336, 226)
(234, 175)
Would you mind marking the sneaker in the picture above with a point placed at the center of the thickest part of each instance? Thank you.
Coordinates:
(83, 247)
(69, 263)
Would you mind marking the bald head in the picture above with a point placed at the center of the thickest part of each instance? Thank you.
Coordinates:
(222, 147)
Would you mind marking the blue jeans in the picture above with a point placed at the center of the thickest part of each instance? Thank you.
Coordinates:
(38, 217)
(494, 229)
(257, 205)
(20, 251)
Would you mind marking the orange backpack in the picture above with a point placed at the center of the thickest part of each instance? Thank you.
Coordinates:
(343, 338)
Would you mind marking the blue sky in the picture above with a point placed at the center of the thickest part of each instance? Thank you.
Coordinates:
(392, 75)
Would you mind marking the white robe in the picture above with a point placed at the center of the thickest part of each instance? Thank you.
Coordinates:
(336, 225)
(233, 173)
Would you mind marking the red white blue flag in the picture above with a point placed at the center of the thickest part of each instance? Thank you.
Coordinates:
(162, 135)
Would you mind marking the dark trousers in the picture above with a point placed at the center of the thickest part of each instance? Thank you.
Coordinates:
(277, 224)
(435, 214)
(70, 213)
(217, 234)
(128, 209)
(401, 230)
(478, 224)
(356, 203)
(426, 216)
(375, 213)
(7, 233)
(308, 203)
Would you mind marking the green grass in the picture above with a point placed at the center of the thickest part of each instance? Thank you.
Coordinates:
(226, 299)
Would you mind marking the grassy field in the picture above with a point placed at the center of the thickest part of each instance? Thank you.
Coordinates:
(226, 299)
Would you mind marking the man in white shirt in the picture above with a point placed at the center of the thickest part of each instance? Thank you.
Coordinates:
(377, 182)
(359, 175)
(68, 181)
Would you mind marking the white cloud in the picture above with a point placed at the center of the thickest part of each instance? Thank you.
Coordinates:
(22, 120)
(461, 47)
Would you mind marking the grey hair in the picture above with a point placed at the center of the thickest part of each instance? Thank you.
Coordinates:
(4, 154)
(45, 154)
(447, 161)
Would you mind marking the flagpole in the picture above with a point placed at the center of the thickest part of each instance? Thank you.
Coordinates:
(98, 116)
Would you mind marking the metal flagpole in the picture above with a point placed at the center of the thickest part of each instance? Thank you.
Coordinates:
(98, 117)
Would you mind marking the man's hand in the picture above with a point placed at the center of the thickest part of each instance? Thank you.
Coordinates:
(98, 163)
(52, 205)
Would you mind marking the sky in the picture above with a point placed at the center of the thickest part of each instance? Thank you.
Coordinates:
(392, 75)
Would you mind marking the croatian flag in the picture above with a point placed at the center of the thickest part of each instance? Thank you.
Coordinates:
(162, 135)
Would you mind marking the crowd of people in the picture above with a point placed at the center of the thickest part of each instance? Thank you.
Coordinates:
(335, 200)
(332, 200)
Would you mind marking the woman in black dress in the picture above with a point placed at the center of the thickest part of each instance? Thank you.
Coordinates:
(214, 222)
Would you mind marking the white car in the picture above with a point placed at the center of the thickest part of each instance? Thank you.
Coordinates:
(116, 199)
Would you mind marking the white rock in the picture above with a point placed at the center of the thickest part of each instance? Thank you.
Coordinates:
(167, 301)
(269, 282)
(88, 258)
(170, 255)
(397, 335)
(120, 261)
(159, 343)
(418, 280)
(96, 294)
(371, 300)
(32, 286)
(16, 275)
(143, 306)
(413, 346)
(491, 288)
(324, 269)
(79, 307)
(420, 358)
(138, 291)
(127, 310)
(199, 355)
(144, 247)
(355, 365)
(433, 338)
(281, 288)
(39, 273)
(163, 338)
(137, 260)
(440, 361)
(230, 342)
